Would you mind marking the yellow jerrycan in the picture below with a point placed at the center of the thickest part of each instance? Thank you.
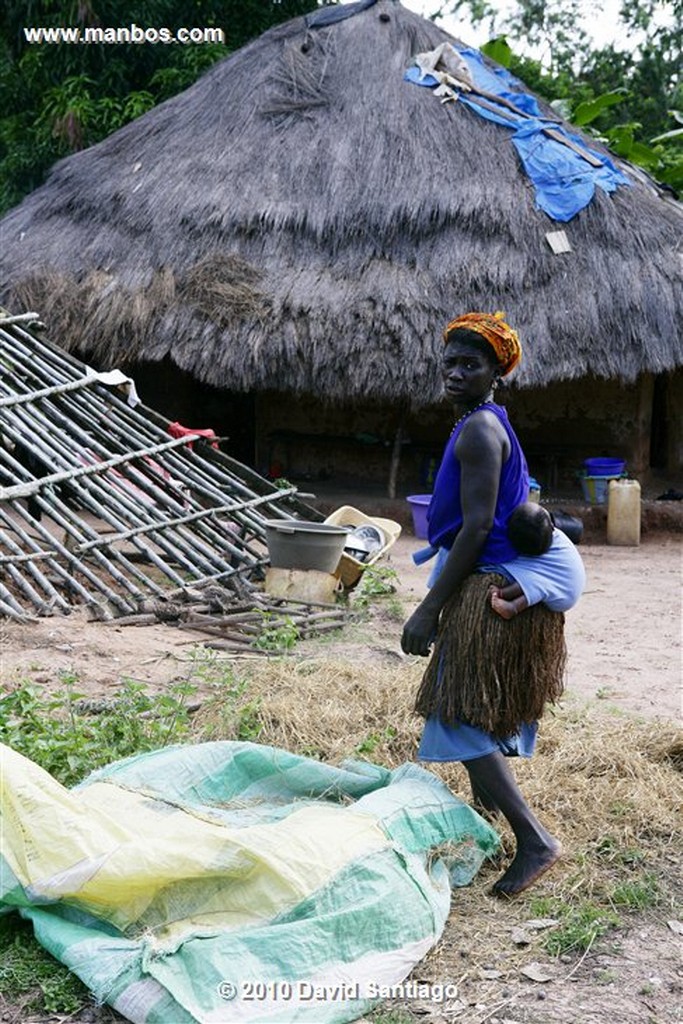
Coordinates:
(623, 512)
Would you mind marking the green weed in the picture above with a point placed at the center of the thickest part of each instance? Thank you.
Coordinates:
(604, 692)
(376, 581)
(638, 894)
(227, 714)
(277, 634)
(315, 753)
(375, 739)
(394, 609)
(60, 733)
(249, 725)
(544, 906)
(611, 850)
(621, 809)
(392, 1017)
(578, 927)
(29, 973)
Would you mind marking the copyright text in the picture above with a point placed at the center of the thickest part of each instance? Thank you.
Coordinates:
(308, 992)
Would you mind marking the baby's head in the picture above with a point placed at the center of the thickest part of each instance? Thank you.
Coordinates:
(530, 529)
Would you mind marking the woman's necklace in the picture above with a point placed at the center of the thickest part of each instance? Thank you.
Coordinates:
(469, 412)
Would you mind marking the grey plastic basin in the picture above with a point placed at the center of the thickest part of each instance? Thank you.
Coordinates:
(297, 544)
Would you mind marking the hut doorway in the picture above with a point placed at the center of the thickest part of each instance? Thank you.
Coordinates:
(180, 396)
(666, 438)
(659, 433)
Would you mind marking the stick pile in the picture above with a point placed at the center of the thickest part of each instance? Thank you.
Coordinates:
(99, 507)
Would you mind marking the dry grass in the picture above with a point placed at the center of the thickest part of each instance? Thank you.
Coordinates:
(330, 709)
(351, 242)
(609, 787)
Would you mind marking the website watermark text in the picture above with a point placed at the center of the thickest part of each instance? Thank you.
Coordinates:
(131, 34)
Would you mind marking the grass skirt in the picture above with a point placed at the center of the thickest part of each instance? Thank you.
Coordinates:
(488, 671)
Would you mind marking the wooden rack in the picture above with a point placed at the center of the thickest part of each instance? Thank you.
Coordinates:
(100, 507)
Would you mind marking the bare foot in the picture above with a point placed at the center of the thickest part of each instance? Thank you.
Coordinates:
(505, 609)
(527, 867)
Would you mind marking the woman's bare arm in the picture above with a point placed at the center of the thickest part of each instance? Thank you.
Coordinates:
(481, 450)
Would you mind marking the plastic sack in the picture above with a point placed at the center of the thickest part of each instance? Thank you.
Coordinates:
(234, 881)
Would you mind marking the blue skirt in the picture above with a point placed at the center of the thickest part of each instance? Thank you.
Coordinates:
(464, 742)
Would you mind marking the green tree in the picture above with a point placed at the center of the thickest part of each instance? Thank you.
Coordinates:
(631, 95)
(58, 98)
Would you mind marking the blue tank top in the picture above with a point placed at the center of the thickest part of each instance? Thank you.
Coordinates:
(444, 515)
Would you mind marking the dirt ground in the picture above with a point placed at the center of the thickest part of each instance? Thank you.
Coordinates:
(624, 636)
(624, 641)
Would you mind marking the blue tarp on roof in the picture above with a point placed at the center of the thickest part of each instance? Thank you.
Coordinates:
(564, 182)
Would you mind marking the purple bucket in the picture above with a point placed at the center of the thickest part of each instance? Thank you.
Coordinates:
(419, 503)
(604, 467)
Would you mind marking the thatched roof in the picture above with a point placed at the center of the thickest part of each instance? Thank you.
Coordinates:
(304, 219)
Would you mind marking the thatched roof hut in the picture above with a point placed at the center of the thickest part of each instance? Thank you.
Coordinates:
(303, 219)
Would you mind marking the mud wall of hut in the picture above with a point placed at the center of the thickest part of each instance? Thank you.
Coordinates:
(306, 439)
(559, 425)
(563, 424)
(178, 395)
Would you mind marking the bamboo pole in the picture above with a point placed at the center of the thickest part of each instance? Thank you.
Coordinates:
(41, 451)
(179, 549)
(74, 402)
(24, 587)
(24, 490)
(11, 608)
(55, 566)
(395, 461)
(19, 318)
(55, 389)
(77, 528)
(191, 517)
(39, 578)
(216, 495)
(74, 527)
(491, 101)
(208, 462)
(187, 552)
(29, 557)
(83, 570)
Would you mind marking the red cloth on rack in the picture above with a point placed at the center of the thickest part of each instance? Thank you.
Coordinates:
(177, 430)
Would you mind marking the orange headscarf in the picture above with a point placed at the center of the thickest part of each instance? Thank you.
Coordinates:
(492, 327)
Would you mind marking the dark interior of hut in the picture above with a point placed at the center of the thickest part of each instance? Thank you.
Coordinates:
(384, 448)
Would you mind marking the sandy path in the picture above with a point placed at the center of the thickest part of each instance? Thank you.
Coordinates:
(624, 637)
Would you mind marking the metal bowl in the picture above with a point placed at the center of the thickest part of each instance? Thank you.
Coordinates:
(363, 542)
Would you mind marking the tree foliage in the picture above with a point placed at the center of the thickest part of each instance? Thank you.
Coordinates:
(61, 97)
(630, 95)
